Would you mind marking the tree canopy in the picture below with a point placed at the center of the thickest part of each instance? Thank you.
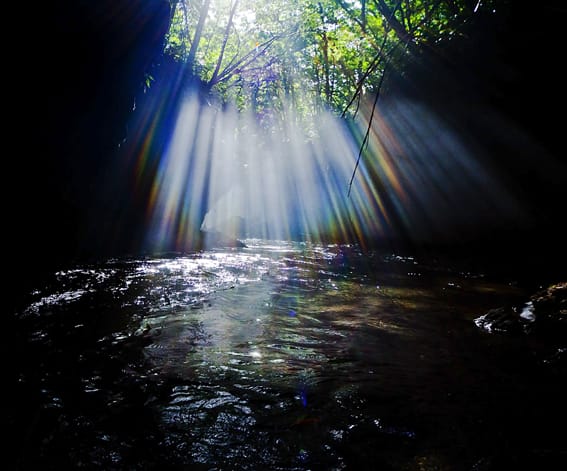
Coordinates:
(310, 54)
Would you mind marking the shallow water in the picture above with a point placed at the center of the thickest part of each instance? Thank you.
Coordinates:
(280, 356)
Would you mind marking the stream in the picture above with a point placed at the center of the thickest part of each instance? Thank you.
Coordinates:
(275, 356)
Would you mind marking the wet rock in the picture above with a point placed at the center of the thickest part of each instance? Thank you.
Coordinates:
(542, 320)
(545, 313)
(502, 319)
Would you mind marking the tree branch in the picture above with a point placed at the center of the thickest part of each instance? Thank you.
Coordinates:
(365, 140)
(246, 60)
(371, 68)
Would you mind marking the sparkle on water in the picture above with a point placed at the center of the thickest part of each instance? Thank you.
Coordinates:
(280, 355)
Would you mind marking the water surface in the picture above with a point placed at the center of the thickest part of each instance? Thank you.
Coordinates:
(280, 356)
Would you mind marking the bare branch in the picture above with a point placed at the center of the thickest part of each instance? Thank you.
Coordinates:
(246, 60)
(371, 68)
(365, 140)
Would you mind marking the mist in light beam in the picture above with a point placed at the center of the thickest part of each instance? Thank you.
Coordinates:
(223, 172)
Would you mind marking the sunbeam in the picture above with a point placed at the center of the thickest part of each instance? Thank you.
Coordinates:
(224, 176)
(287, 169)
(224, 173)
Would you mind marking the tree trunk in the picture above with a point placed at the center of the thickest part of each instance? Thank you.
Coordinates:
(326, 68)
(224, 42)
(390, 17)
(198, 33)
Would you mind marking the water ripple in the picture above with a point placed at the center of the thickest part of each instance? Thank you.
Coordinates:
(279, 355)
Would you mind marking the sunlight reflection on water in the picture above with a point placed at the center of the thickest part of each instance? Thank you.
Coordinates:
(278, 355)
